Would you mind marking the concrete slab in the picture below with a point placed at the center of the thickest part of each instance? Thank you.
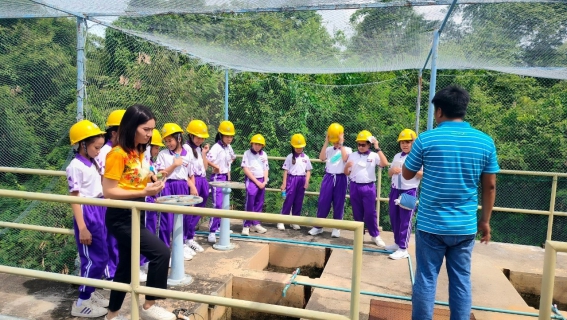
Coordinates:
(240, 274)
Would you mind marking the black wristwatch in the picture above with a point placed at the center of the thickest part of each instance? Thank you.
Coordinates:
(378, 150)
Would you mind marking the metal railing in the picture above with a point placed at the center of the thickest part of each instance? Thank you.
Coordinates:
(548, 277)
(551, 213)
(136, 289)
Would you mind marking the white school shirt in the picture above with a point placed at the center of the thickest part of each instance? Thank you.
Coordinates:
(165, 159)
(363, 169)
(101, 158)
(197, 165)
(301, 166)
(221, 156)
(334, 163)
(257, 163)
(83, 176)
(406, 184)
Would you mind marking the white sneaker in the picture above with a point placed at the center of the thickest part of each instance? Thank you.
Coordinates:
(295, 226)
(245, 231)
(315, 231)
(258, 228)
(145, 267)
(399, 254)
(88, 309)
(336, 233)
(392, 247)
(379, 242)
(281, 226)
(212, 238)
(195, 246)
(98, 299)
(188, 253)
(118, 317)
(143, 276)
(156, 312)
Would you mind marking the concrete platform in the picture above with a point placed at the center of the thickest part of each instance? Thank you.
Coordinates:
(497, 270)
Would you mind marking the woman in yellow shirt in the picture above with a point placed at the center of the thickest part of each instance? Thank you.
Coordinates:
(125, 178)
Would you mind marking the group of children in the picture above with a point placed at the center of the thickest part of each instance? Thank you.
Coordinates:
(184, 162)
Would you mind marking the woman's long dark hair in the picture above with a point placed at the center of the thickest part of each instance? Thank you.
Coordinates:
(135, 116)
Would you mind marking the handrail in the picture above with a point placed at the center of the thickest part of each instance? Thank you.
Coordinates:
(548, 277)
(135, 289)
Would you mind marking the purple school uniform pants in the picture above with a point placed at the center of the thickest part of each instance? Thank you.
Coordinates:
(254, 200)
(189, 221)
(363, 202)
(400, 218)
(214, 223)
(295, 190)
(94, 257)
(333, 190)
(172, 187)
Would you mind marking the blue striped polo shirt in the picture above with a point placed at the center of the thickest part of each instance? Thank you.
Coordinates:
(453, 156)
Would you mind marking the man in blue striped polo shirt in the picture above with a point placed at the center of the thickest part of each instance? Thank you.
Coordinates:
(455, 159)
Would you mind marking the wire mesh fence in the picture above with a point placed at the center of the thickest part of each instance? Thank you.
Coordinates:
(524, 115)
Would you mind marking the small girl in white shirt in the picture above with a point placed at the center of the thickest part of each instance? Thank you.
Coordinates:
(255, 166)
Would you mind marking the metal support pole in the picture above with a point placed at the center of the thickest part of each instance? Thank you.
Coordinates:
(418, 104)
(177, 274)
(224, 241)
(548, 278)
(135, 265)
(356, 271)
(226, 94)
(433, 81)
(81, 30)
(378, 191)
(551, 208)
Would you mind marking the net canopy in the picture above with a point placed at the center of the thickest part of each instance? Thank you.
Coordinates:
(338, 36)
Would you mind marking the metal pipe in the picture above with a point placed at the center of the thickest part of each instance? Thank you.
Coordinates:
(378, 189)
(81, 30)
(242, 304)
(135, 265)
(547, 281)
(406, 298)
(551, 207)
(431, 51)
(418, 103)
(207, 212)
(226, 94)
(433, 80)
(224, 241)
(356, 271)
(36, 228)
(63, 174)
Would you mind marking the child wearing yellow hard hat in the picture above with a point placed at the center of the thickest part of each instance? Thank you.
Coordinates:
(400, 218)
(297, 172)
(220, 157)
(198, 184)
(334, 185)
(175, 161)
(83, 177)
(361, 168)
(255, 167)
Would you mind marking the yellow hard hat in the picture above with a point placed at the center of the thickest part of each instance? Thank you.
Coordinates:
(198, 128)
(170, 128)
(407, 135)
(259, 139)
(156, 139)
(334, 132)
(82, 130)
(114, 118)
(363, 136)
(226, 128)
(298, 141)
